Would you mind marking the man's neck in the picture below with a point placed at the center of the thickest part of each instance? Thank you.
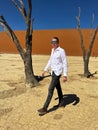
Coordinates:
(56, 48)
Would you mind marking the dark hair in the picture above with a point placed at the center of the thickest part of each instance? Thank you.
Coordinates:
(56, 39)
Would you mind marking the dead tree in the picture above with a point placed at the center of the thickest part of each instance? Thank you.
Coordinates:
(86, 53)
(26, 54)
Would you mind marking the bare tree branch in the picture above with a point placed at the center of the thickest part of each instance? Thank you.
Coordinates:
(29, 25)
(87, 53)
(78, 17)
(21, 8)
(91, 26)
(92, 41)
(80, 32)
(11, 34)
(25, 55)
(29, 15)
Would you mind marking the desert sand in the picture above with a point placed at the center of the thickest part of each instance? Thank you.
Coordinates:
(19, 105)
(69, 40)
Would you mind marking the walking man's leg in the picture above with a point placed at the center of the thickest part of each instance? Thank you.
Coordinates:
(50, 94)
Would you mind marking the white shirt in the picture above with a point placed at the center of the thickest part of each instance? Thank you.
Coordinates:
(58, 62)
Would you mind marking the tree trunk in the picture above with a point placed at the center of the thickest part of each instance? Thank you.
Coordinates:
(86, 53)
(29, 74)
(27, 54)
(86, 67)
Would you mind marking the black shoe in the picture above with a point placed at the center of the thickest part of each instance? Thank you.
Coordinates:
(42, 111)
(61, 104)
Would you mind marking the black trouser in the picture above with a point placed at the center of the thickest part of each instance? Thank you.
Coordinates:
(55, 82)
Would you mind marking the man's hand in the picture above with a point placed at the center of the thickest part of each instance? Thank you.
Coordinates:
(43, 73)
(65, 78)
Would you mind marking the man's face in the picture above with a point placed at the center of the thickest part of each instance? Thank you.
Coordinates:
(55, 45)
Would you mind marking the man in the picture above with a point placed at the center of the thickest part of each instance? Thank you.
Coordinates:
(58, 64)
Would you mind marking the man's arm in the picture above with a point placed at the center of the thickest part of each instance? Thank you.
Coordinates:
(65, 65)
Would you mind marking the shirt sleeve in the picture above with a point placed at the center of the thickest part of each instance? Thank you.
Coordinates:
(65, 63)
(49, 63)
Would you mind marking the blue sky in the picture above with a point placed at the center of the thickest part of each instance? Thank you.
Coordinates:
(52, 14)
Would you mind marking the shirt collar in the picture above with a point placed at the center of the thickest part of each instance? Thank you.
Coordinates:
(57, 49)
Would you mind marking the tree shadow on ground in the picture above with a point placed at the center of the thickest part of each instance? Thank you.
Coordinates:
(68, 99)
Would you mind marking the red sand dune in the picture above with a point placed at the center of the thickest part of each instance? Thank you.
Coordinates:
(69, 40)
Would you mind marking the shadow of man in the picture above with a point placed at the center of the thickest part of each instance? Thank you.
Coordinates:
(68, 99)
